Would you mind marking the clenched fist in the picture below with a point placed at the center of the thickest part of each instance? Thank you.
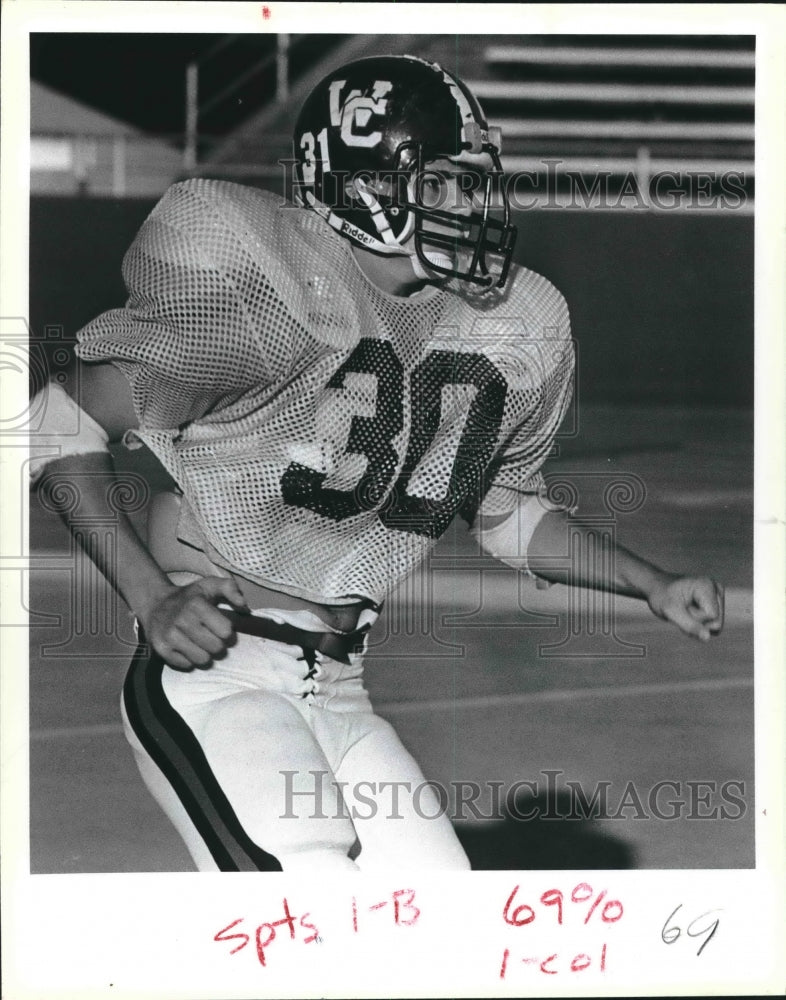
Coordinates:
(693, 604)
(186, 628)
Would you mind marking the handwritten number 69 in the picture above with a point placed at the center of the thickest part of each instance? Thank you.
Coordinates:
(670, 932)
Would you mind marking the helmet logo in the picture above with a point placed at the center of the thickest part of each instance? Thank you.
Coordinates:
(353, 114)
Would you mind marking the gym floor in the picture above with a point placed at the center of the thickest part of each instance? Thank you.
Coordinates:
(498, 688)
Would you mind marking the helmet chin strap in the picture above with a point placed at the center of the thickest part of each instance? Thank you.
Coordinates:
(396, 244)
(381, 224)
(436, 258)
(388, 244)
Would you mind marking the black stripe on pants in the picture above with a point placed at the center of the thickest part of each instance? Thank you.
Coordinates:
(176, 751)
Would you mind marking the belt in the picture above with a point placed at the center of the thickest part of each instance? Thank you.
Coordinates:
(336, 645)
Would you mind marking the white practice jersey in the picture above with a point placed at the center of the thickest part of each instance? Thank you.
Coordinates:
(324, 434)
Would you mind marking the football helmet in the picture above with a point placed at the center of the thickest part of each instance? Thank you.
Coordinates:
(370, 142)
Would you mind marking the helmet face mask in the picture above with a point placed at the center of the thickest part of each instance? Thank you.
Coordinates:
(467, 219)
(394, 153)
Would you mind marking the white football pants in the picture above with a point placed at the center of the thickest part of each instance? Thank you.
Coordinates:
(273, 756)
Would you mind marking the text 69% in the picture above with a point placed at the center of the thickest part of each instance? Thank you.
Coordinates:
(608, 910)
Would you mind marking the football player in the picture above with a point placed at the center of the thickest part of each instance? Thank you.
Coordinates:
(328, 384)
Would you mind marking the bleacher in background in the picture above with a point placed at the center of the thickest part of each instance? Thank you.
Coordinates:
(624, 105)
(582, 105)
(575, 110)
(661, 301)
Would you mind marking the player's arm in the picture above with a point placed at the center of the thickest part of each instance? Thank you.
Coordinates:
(181, 623)
(693, 604)
(536, 539)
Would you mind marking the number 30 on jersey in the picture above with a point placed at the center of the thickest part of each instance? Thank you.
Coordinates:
(372, 436)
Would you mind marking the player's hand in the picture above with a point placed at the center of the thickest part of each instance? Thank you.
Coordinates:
(186, 628)
(693, 604)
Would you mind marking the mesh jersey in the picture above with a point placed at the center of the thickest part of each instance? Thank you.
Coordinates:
(324, 433)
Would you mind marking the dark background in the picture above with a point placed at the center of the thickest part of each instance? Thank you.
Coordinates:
(141, 78)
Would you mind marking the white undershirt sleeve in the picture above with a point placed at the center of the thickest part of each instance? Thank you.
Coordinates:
(62, 429)
(509, 540)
